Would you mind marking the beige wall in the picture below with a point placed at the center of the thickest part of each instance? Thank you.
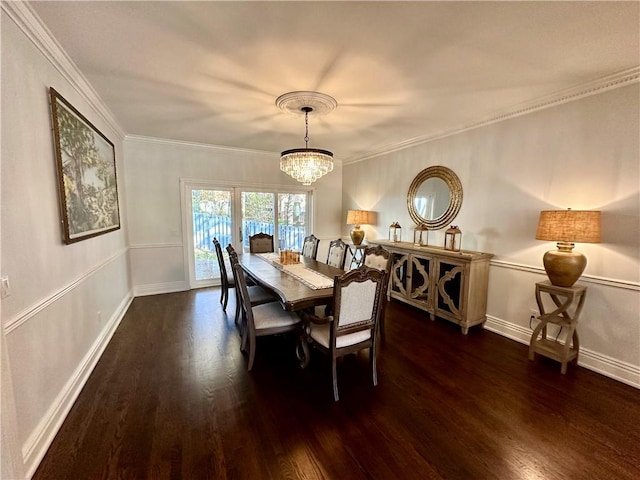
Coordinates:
(582, 154)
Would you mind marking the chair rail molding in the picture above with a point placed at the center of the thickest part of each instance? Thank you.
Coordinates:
(609, 282)
(33, 310)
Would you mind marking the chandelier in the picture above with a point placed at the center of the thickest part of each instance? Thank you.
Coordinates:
(306, 165)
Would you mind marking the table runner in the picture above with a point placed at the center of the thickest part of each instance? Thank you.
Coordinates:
(299, 271)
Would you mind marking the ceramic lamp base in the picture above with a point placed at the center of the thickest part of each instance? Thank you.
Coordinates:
(357, 236)
(564, 267)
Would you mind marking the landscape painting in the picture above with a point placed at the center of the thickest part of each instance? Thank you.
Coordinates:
(86, 174)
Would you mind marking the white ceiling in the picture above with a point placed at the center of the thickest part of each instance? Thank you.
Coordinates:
(209, 72)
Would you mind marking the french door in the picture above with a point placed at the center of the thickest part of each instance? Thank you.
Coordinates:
(232, 214)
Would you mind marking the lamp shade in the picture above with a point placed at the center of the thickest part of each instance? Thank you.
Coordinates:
(358, 217)
(579, 226)
(564, 266)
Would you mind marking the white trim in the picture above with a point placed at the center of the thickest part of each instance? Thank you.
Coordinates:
(25, 18)
(35, 447)
(158, 288)
(609, 82)
(609, 282)
(206, 146)
(142, 246)
(230, 184)
(33, 310)
(621, 371)
(197, 146)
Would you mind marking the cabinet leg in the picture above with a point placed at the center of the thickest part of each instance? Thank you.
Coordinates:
(465, 330)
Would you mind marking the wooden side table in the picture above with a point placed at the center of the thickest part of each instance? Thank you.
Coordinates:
(569, 302)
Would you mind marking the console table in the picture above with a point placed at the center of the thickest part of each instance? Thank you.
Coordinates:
(568, 302)
(446, 284)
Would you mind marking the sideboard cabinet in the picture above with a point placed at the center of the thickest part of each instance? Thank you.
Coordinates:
(446, 284)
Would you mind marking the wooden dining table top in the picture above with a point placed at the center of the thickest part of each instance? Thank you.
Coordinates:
(293, 294)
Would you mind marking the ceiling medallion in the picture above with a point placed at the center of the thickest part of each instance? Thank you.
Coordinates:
(306, 165)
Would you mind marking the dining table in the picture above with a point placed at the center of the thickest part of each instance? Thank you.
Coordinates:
(299, 286)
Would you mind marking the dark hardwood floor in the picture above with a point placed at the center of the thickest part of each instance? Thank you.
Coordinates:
(171, 399)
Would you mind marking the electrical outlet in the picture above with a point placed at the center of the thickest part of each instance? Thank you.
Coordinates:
(534, 314)
(5, 288)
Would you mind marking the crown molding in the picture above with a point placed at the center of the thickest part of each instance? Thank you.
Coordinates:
(196, 146)
(206, 146)
(25, 18)
(609, 82)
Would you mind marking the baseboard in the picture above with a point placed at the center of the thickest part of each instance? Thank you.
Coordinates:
(597, 362)
(158, 288)
(40, 439)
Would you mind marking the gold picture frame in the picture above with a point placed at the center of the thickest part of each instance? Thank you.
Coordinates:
(87, 182)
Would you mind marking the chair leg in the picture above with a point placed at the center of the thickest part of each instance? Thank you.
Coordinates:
(381, 321)
(252, 352)
(237, 319)
(226, 298)
(244, 334)
(334, 378)
(374, 371)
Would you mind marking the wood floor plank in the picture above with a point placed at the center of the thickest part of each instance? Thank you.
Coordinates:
(171, 399)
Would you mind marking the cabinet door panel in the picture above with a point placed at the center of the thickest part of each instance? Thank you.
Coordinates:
(421, 279)
(399, 273)
(450, 288)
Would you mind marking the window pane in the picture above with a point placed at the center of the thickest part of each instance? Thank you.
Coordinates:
(211, 213)
(292, 220)
(257, 215)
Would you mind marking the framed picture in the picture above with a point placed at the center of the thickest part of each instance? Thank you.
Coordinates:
(86, 174)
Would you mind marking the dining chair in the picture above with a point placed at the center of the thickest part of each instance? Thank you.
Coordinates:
(352, 327)
(261, 320)
(337, 253)
(310, 246)
(226, 278)
(261, 243)
(380, 258)
(257, 294)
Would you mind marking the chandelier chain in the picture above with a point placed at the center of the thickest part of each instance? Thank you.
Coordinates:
(306, 128)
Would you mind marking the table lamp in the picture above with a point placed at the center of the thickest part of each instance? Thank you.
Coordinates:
(357, 218)
(564, 266)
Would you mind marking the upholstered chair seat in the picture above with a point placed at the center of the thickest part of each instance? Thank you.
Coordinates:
(272, 315)
(321, 334)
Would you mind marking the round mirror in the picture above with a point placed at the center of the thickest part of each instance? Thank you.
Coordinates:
(434, 197)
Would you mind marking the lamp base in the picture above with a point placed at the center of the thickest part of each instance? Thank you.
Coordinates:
(564, 267)
(357, 235)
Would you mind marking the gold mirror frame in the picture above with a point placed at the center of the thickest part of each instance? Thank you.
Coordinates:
(455, 201)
